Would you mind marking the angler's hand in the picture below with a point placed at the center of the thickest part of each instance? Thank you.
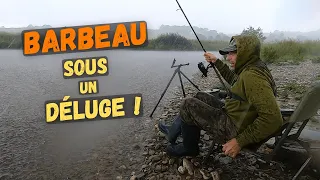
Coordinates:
(231, 148)
(210, 57)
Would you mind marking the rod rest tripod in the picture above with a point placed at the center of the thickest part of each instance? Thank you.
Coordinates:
(179, 72)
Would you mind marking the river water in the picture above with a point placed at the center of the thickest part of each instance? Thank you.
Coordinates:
(32, 149)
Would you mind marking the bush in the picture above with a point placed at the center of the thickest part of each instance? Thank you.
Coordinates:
(170, 41)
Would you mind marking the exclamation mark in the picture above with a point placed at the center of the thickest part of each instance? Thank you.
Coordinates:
(137, 106)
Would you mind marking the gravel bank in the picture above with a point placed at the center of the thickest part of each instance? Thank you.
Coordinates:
(291, 81)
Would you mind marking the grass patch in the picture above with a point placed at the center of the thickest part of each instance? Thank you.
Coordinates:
(285, 51)
(294, 89)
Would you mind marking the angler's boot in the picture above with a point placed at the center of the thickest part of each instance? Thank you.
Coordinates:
(172, 132)
(189, 146)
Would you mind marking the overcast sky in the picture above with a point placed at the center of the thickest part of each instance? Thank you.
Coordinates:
(227, 16)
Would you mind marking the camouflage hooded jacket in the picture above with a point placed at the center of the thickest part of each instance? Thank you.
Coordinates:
(258, 115)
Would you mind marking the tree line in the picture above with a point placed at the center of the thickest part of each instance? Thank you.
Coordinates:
(285, 50)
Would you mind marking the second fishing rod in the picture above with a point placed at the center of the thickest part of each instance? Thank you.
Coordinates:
(200, 65)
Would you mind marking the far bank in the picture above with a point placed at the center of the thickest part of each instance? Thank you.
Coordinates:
(271, 52)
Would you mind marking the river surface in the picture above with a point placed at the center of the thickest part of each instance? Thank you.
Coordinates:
(32, 149)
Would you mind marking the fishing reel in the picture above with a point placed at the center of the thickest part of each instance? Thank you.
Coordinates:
(203, 69)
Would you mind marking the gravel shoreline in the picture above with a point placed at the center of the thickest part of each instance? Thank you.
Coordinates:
(291, 80)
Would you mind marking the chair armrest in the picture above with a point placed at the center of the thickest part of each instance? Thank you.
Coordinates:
(223, 94)
(286, 112)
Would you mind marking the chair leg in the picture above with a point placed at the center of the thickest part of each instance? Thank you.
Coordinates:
(302, 168)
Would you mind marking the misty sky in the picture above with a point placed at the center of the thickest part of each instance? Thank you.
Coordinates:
(227, 16)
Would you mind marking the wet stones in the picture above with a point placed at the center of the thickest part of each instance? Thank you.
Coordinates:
(155, 158)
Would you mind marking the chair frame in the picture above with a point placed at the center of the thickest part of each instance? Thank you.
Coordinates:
(283, 133)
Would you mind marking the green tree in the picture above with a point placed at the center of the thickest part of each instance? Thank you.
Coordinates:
(252, 31)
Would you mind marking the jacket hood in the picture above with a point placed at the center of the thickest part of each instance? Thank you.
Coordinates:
(248, 51)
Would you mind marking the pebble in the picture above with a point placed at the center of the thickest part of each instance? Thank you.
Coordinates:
(206, 137)
(181, 169)
(140, 176)
(151, 152)
(188, 165)
(225, 160)
(158, 168)
(215, 175)
(202, 132)
(150, 145)
(165, 161)
(155, 158)
(204, 175)
(157, 147)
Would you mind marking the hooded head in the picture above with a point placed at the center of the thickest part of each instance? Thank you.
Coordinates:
(247, 49)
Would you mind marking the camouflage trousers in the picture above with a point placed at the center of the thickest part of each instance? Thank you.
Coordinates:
(206, 111)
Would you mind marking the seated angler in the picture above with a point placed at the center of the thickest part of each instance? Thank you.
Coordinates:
(248, 116)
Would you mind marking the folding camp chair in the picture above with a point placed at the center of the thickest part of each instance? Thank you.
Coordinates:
(306, 109)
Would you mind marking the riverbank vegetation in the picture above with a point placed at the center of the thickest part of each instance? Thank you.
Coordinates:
(290, 50)
(275, 52)
(10, 41)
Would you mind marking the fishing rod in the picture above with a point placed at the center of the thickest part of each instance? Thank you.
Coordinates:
(212, 65)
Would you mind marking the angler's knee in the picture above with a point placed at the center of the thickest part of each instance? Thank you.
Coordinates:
(186, 103)
(200, 95)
